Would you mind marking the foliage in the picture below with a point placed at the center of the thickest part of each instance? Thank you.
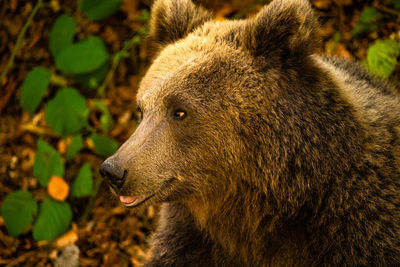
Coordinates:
(67, 110)
(53, 220)
(62, 34)
(75, 145)
(82, 57)
(48, 162)
(99, 9)
(382, 57)
(34, 87)
(104, 146)
(369, 21)
(82, 186)
(18, 210)
(396, 4)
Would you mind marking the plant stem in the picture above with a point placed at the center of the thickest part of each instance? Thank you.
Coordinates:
(116, 59)
(89, 206)
(19, 40)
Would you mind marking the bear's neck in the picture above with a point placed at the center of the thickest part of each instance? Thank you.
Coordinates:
(251, 232)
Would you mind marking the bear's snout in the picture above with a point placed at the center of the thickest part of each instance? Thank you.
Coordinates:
(114, 175)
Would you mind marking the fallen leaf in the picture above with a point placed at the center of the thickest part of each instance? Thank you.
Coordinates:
(62, 146)
(66, 239)
(342, 51)
(322, 4)
(90, 143)
(58, 188)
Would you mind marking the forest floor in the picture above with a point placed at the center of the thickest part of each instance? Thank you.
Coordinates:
(111, 235)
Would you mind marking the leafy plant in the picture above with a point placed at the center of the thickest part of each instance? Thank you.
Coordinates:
(100, 9)
(18, 210)
(369, 21)
(82, 57)
(53, 220)
(67, 112)
(48, 162)
(62, 34)
(83, 184)
(382, 57)
(34, 87)
(104, 146)
(87, 62)
(396, 4)
(75, 145)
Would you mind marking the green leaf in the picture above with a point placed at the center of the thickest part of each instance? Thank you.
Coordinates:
(100, 9)
(83, 184)
(74, 147)
(144, 15)
(396, 4)
(18, 210)
(83, 57)
(105, 146)
(53, 220)
(67, 112)
(370, 15)
(369, 18)
(382, 57)
(34, 87)
(48, 162)
(62, 34)
(93, 79)
(359, 29)
(106, 120)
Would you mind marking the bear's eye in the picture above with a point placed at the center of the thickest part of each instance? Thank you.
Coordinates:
(179, 114)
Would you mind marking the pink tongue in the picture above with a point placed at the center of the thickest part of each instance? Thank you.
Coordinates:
(127, 200)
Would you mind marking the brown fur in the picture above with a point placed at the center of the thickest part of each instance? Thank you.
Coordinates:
(285, 158)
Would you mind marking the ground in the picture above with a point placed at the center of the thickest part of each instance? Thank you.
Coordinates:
(110, 235)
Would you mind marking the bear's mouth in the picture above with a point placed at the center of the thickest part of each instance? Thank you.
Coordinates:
(134, 201)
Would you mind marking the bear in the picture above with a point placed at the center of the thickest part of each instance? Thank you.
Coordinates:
(261, 151)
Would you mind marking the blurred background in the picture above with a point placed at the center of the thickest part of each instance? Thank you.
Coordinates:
(69, 71)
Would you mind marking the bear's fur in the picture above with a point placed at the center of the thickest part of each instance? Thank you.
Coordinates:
(282, 157)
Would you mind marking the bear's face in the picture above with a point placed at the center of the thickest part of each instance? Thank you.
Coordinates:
(188, 128)
(196, 101)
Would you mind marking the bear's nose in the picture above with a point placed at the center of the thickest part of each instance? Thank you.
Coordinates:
(114, 174)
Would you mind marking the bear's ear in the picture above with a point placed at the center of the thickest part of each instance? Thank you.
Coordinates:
(172, 20)
(286, 29)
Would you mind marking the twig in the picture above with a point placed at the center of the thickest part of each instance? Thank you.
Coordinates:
(116, 59)
(386, 9)
(29, 127)
(19, 40)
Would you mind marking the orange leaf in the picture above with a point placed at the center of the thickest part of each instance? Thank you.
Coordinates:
(62, 146)
(58, 188)
(66, 239)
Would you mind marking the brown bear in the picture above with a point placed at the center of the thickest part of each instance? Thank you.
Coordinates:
(263, 152)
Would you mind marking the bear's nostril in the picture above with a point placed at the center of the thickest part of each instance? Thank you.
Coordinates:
(115, 175)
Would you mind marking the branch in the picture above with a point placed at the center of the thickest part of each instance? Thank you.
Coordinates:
(19, 39)
(386, 9)
(116, 59)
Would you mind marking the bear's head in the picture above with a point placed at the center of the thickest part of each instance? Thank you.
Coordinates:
(220, 105)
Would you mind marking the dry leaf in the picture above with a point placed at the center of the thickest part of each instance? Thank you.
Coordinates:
(322, 4)
(90, 143)
(66, 239)
(342, 51)
(58, 188)
(62, 146)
